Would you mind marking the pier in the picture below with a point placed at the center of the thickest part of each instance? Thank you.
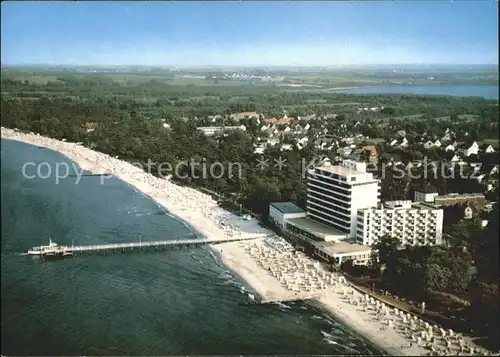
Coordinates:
(65, 250)
(91, 175)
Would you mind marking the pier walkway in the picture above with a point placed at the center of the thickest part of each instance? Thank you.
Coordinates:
(165, 243)
(66, 250)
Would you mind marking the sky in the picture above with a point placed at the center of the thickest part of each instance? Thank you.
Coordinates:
(280, 33)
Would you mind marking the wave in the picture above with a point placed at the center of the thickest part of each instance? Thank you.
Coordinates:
(326, 334)
(226, 274)
(195, 257)
(329, 338)
(141, 211)
(284, 306)
(215, 257)
(331, 342)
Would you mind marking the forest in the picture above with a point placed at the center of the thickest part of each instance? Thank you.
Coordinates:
(128, 121)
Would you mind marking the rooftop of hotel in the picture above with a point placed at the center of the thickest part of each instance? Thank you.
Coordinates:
(342, 247)
(287, 207)
(412, 206)
(460, 195)
(340, 170)
(313, 226)
(425, 205)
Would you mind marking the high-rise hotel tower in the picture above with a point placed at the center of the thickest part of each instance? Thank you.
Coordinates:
(336, 193)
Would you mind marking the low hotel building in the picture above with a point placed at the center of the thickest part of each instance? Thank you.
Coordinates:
(279, 212)
(411, 223)
(327, 243)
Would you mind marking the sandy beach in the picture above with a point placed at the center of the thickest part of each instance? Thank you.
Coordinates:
(268, 265)
(236, 257)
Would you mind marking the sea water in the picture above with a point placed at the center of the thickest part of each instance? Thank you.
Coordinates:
(156, 303)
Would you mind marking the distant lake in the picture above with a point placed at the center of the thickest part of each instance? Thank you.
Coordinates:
(486, 91)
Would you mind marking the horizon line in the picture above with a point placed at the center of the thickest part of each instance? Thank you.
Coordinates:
(245, 65)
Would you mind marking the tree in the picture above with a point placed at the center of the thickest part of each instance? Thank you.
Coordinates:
(486, 296)
(463, 232)
(386, 247)
(484, 250)
(347, 266)
(436, 278)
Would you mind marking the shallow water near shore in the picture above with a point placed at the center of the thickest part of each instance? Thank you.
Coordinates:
(157, 303)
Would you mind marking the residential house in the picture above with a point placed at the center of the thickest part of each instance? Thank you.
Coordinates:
(425, 193)
(401, 133)
(469, 150)
(270, 120)
(213, 118)
(437, 143)
(403, 143)
(212, 130)
(446, 137)
(471, 199)
(285, 120)
(344, 151)
(273, 141)
(243, 115)
(488, 149)
(286, 147)
(429, 144)
(329, 143)
(349, 140)
(449, 148)
(303, 140)
(91, 126)
(481, 178)
(259, 149)
(372, 156)
(324, 144)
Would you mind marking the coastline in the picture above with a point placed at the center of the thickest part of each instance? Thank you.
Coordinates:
(203, 214)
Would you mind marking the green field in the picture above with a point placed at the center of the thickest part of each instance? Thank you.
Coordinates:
(34, 78)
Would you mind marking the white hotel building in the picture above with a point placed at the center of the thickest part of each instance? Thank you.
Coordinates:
(336, 193)
(344, 217)
(411, 223)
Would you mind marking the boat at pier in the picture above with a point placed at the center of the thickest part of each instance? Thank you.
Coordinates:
(43, 248)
